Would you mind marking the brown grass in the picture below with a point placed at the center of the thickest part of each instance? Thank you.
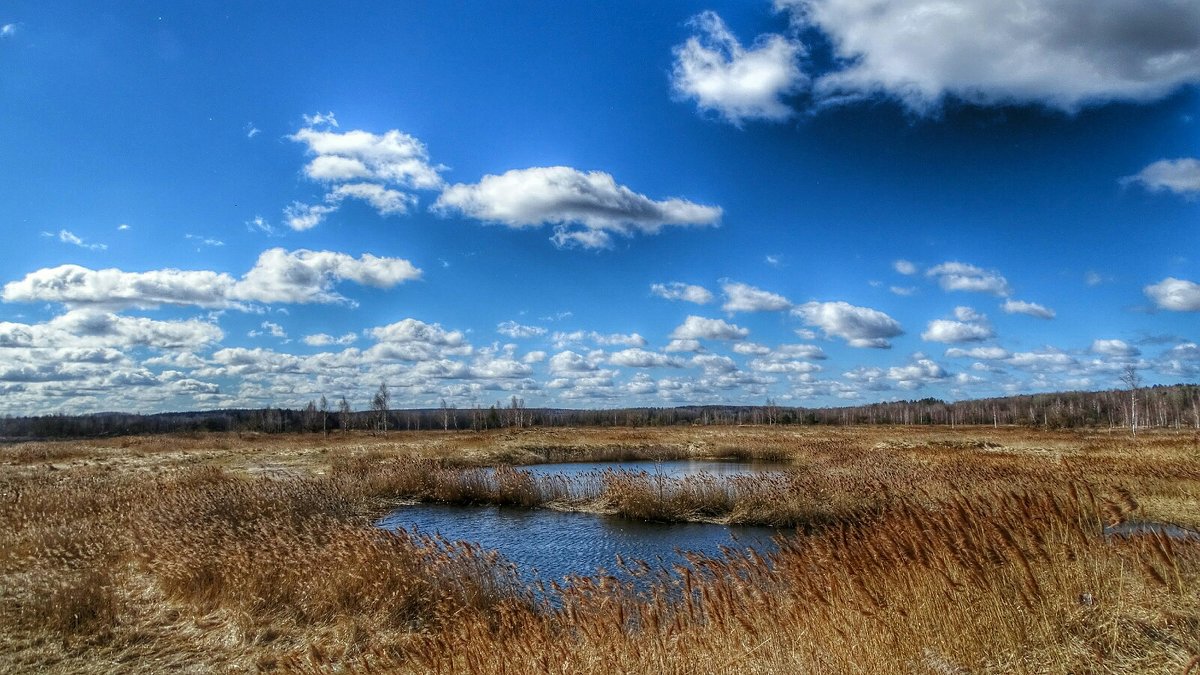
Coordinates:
(969, 550)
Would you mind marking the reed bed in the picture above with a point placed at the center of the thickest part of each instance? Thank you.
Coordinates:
(919, 551)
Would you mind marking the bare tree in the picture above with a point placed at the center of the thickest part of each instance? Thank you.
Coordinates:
(324, 408)
(1132, 379)
(380, 404)
(310, 416)
(344, 415)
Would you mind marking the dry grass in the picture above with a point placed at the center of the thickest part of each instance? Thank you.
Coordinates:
(969, 550)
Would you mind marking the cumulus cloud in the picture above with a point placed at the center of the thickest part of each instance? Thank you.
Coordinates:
(384, 200)
(361, 165)
(958, 276)
(393, 157)
(1065, 54)
(745, 298)
(1027, 308)
(916, 374)
(1114, 348)
(905, 267)
(569, 363)
(641, 358)
(1181, 176)
(562, 339)
(324, 339)
(858, 326)
(304, 276)
(984, 353)
(687, 345)
(586, 208)
(300, 216)
(300, 276)
(1047, 360)
(722, 76)
(517, 331)
(701, 328)
(680, 291)
(1176, 295)
(967, 326)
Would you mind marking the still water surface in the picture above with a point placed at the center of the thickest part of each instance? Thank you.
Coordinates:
(549, 545)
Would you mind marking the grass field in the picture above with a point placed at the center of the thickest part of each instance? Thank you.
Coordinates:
(915, 550)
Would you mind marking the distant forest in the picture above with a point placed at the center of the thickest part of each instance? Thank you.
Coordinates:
(1174, 406)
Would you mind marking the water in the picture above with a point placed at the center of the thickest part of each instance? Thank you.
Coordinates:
(548, 545)
(676, 468)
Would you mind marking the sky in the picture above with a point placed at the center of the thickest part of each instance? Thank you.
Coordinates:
(584, 205)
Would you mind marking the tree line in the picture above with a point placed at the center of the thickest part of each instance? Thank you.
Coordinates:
(1173, 406)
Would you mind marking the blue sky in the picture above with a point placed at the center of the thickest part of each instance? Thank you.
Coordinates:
(822, 202)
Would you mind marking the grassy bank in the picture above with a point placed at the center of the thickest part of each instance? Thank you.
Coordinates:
(976, 550)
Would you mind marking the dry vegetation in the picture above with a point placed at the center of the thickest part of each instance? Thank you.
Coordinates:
(918, 550)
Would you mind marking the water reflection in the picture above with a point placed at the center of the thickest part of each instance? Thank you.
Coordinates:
(548, 545)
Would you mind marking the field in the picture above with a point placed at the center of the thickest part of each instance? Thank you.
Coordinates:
(915, 549)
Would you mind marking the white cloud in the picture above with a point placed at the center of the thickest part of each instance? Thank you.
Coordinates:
(715, 70)
(384, 200)
(516, 331)
(393, 157)
(641, 358)
(319, 119)
(300, 216)
(942, 330)
(269, 328)
(700, 328)
(859, 326)
(745, 298)
(570, 199)
(1181, 176)
(324, 339)
(8, 30)
(300, 276)
(714, 364)
(687, 345)
(204, 241)
(903, 291)
(917, 374)
(76, 285)
(561, 339)
(1093, 278)
(1065, 54)
(305, 276)
(251, 130)
(361, 165)
(1049, 359)
(68, 237)
(957, 276)
(1176, 295)
(1029, 308)
(751, 348)
(1114, 348)
(680, 291)
(570, 363)
(905, 267)
(985, 353)
(968, 326)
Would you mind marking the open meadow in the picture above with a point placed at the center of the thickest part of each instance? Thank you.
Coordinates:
(909, 549)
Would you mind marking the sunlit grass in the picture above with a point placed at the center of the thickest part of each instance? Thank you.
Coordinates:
(969, 550)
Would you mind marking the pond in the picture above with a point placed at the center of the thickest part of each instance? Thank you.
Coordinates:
(548, 545)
